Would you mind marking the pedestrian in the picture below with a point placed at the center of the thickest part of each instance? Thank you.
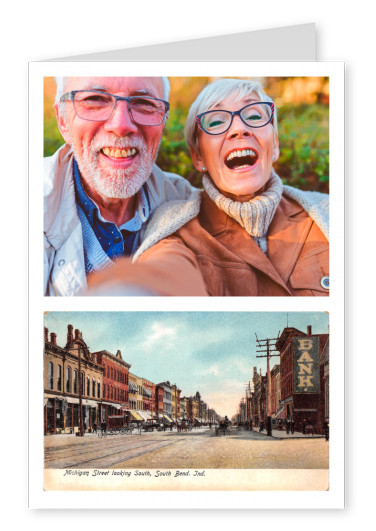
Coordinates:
(94, 428)
(304, 424)
(326, 429)
(292, 425)
(287, 427)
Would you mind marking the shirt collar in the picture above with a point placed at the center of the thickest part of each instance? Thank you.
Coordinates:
(90, 209)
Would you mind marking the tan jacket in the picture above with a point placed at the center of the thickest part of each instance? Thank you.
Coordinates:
(64, 261)
(213, 255)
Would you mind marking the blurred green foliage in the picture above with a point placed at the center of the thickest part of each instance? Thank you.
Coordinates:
(303, 142)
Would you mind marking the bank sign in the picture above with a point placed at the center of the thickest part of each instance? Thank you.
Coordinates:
(306, 359)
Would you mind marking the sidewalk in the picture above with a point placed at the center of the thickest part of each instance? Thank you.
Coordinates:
(276, 434)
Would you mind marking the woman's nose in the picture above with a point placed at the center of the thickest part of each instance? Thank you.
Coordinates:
(120, 121)
(238, 128)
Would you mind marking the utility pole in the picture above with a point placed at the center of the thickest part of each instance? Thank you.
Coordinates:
(81, 430)
(267, 346)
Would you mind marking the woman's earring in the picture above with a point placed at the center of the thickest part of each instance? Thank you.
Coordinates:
(203, 168)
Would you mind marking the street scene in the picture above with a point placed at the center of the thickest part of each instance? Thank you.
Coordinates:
(199, 448)
(186, 390)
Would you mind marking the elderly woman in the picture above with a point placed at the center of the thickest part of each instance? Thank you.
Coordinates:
(247, 234)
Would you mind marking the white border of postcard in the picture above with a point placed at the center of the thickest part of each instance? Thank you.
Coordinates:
(334, 497)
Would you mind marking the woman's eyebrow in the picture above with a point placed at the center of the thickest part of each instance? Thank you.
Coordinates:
(219, 106)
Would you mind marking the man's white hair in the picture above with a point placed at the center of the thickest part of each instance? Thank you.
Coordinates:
(216, 92)
(60, 84)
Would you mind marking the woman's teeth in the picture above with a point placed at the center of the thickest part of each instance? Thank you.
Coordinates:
(241, 158)
(241, 153)
(119, 153)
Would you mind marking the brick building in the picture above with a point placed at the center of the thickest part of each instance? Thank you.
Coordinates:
(304, 376)
(71, 373)
(115, 383)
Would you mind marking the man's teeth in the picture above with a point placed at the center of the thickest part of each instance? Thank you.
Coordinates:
(241, 153)
(119, 153)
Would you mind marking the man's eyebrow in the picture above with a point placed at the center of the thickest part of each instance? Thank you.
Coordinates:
(143, 92)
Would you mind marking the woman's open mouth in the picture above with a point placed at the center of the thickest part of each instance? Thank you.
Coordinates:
(241, 158)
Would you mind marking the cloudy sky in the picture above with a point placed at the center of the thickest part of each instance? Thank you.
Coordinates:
(210, 352)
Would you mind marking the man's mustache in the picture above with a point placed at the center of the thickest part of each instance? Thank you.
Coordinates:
(100, 142)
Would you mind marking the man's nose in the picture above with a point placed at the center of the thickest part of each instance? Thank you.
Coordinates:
(238, 128)
(120, 121)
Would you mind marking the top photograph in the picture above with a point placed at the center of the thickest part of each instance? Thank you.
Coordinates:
(186, 186)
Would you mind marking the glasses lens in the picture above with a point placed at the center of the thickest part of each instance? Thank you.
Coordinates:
(256, 115)
(147, 111)
(93, 106)
(215, 122)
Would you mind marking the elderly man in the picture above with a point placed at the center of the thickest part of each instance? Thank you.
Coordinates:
(102, 186)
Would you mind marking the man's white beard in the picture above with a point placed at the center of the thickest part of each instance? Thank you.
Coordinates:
(114, 183)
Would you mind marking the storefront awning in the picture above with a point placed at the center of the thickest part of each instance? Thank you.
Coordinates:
(135, 416)
(91, 403)
(168, 418)
(282, 414)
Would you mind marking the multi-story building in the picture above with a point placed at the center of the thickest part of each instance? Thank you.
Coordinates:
(175, 395)
(167, 401)
(304, 369)
(183, 407)
(159, 399)
(148, 397)
(115, 383)
(275, 391)
(259, 410)
(71, 375)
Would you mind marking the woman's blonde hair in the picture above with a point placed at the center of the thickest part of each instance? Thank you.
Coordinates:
(216, 92)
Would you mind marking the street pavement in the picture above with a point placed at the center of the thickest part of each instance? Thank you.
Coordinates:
(199, 448)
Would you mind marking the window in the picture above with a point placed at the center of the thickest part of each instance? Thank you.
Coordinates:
(59, 373)
(93, 388)
(75, 382)
(99, 389)
(87, 386)
(108, 371)
(82, 383)
(50, 375)
(68, 379)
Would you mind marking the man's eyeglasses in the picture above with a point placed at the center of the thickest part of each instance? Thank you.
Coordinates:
(253, 115)
(98, 106)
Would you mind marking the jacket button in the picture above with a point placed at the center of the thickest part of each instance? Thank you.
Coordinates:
(325, 282)
(117, 240)
(61, 262)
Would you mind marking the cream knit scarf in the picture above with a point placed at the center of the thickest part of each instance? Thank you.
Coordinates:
(255, 215)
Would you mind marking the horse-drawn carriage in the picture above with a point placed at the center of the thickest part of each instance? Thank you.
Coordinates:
(223, 429)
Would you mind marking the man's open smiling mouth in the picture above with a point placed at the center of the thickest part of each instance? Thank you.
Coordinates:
(116, 153)
(241, 158)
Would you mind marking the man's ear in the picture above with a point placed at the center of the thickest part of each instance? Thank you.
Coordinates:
(197, 160)
(61, 122)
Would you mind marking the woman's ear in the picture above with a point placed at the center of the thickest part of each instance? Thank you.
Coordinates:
(62, 124)
(197, 160)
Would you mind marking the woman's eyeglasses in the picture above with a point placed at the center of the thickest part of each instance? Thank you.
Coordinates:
(254, 115)
(98, 106)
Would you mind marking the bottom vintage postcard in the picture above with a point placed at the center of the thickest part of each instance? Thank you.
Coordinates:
(205, 401)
